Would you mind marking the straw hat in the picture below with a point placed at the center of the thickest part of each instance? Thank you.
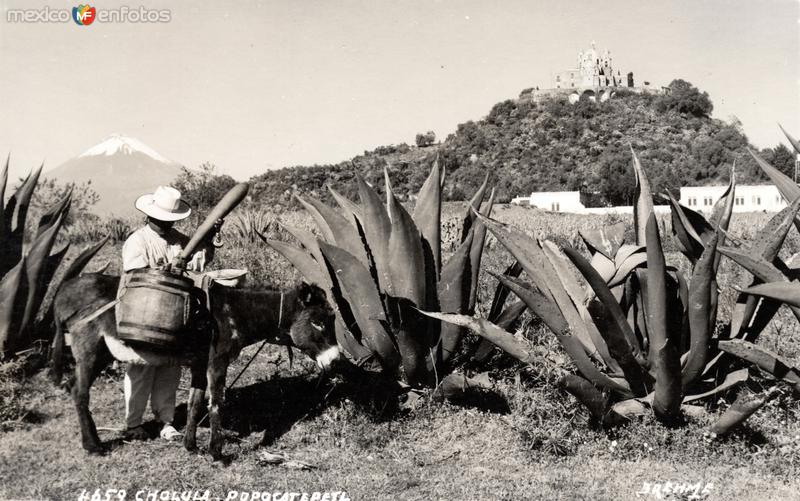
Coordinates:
(165, 204)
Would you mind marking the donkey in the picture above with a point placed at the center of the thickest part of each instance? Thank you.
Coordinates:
(299, 317)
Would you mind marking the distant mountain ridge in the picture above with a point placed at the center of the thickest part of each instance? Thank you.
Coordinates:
(120, 169)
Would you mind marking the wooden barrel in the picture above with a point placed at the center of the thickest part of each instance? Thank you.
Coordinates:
(154, 308)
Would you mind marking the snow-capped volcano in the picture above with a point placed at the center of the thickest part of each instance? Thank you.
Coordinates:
(120, 168)
(124, 145)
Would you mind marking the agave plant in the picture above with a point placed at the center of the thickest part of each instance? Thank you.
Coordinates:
(643, 334)
(380, 265)
(28, 274)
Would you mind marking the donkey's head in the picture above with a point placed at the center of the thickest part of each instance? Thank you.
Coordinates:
(312, 329)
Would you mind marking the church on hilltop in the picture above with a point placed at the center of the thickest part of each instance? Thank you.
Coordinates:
(594, 78)
(594, 70)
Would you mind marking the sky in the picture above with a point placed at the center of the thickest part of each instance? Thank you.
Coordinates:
(256, 85)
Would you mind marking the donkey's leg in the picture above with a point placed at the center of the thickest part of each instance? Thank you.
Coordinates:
(217, 372)
(91, 357)
(197, 395)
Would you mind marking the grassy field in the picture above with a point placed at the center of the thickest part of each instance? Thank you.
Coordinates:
(524, 439)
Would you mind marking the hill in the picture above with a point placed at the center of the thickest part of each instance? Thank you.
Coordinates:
(119, 169)
(554, 145)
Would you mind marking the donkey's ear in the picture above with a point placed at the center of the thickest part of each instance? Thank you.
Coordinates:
(310, 294)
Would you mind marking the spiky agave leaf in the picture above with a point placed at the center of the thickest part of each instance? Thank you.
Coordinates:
(491, 332)
(548, 311)
(689, 227)
(361, 293)
(731, 379)
(785, 185)
(622, 344)
(16, 213)
(474, 207)
(792, 140)
(663, 349)
(13, 297)
(343, 232)
(377, 230)
(3, 215)
(409, 291)
(699, 305)
(453, 289)
(642, 200)
(79, 263)
(347, 205)
(585, 393)
(35, 266)
(428, 214)
(54, 212)
(319, 220)
(745, 406)
(765, 359)
(301, 260)
(598, 347)
(606, 240)
(476, 252)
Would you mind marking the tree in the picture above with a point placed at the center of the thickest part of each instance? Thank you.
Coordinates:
(685, 98)
(781, 158)
(426, 139)
(202, 188)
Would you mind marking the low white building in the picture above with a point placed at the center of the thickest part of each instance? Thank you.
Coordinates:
(557, 201)
(760, 198)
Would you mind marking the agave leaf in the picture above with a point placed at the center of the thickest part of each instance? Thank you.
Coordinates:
(54, 212)
(524, 249)
(453, 290)
(619, 337)
(405, 254)
(550, 314)
(784, 292)
(13, 297)
(723, 209)
(344, 233)
(542, 306)
(377, 229)
(474, 207)
(501, 292)
(731, 379)
(586, 394)
(350, 208)
(360, 292)
(785, 185)
(22, 198)
(663, 351)
(744, 407)
(309, 242)
(607, 240)
(3, 215)
(476, 251)
(626, 251)
(604, 266)
(792, 140)
(699, 304)
(763, 270)
(631, 263)
(506, 320)
(769, 239)
(487, 330)
(357, 351)
(428, 213)
(36, 262)
(642, 200)
(765, 359)
(688, 226)
(301, 260)
(577, 294)
(79, 263)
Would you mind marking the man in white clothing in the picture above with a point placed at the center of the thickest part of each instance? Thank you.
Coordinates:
(152, 246)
